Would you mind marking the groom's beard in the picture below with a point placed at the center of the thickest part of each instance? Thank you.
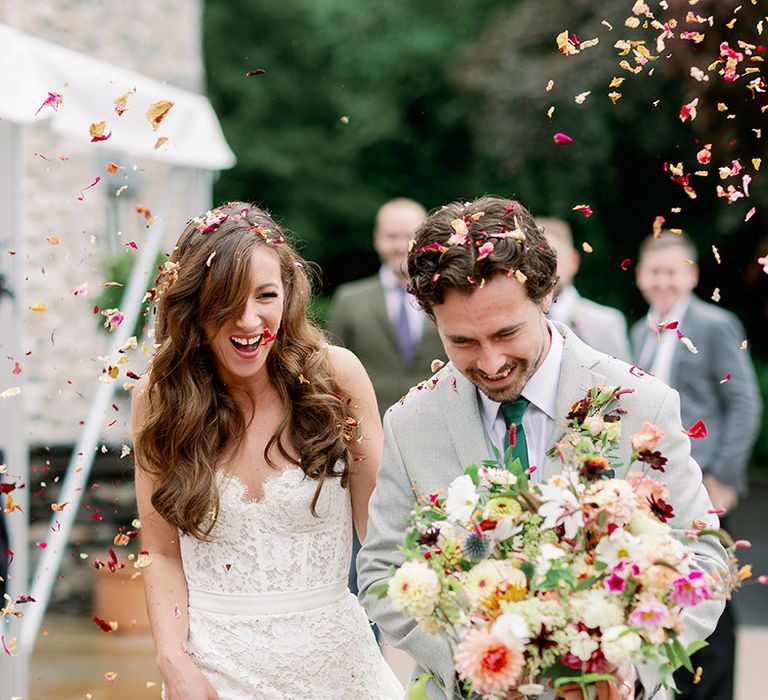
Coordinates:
(512, 385)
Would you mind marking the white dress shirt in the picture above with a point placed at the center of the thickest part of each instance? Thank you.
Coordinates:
(660, 363)
(539, 417)
(393, 290)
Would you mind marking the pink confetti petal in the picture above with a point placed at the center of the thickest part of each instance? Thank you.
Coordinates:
(562, 139)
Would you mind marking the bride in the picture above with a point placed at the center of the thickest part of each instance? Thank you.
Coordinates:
(257, 447)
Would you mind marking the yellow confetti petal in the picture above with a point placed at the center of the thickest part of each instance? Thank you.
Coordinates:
(586, 247)
(39, 307)
(53, 240)
(10, 392)
(157, 112)
(160, 141)
(550, 85)
(58, 507)
(689, 344)
(756, 162)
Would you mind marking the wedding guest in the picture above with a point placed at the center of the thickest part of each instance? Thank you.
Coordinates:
(376, 317)
(602, 327)
(378, 320)
(717, 385)
(257, 446)
(508, 365)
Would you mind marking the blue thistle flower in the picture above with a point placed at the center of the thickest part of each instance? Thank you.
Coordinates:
(476, 547)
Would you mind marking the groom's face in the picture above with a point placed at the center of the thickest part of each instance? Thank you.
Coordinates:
(496, 336)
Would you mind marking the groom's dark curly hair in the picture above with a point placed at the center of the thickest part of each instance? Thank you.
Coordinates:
(464, 244)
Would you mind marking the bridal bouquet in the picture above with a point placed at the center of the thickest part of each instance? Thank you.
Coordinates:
(558, 582)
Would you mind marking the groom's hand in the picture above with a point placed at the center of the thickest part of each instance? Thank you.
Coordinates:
(623, 688)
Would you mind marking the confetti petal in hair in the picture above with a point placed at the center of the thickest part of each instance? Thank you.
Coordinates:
(433, 246)
(157, 112)
(53, 101)
(485, 250)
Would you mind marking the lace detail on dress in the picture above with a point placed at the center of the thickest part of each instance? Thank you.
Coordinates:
(276, 545)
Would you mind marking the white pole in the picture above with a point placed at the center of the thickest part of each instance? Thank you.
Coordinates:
(80, 463)
(13, 434)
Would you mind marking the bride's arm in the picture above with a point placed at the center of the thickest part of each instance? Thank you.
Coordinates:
(354, 383)
(165, 586)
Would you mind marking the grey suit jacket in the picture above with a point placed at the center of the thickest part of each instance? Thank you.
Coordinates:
(436, 433)
(601, 327)
(360, 323)
(731, 410)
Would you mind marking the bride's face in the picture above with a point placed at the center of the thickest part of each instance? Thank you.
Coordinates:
(241, 345)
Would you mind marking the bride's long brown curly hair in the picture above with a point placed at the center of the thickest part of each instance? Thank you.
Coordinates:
(192, 417)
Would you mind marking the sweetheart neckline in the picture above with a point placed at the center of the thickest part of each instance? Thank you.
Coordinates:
(267, 482)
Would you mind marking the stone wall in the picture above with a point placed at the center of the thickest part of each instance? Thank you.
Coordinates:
(64, 346)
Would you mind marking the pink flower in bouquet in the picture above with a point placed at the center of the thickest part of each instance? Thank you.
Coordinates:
(691, 589)
(646, 488)
(487, 663)
(652, 616)
(647, 438)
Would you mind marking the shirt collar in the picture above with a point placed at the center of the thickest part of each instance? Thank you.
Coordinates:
(676, 313)
(540, 389)
(389, 279)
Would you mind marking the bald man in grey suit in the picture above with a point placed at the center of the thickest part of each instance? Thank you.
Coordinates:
(502, 348)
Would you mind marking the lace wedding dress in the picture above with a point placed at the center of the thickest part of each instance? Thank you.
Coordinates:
(270, 615)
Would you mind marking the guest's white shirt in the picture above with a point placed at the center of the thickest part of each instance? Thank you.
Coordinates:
(392, 286)
(660, 364)
(539, 417)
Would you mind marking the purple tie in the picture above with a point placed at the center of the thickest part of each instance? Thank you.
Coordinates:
(403, 328)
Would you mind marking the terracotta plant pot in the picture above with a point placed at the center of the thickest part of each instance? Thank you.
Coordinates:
(119, 597)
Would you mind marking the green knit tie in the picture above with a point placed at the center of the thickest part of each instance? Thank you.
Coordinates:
(513, 415)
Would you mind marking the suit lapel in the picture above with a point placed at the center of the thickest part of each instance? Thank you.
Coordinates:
(577, 376)
(464, 423)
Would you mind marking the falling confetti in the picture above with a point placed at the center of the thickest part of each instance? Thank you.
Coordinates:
(157, 112)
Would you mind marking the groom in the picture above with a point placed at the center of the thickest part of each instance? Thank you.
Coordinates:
(485, 274)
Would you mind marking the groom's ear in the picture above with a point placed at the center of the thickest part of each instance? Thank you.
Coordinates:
(546, 303)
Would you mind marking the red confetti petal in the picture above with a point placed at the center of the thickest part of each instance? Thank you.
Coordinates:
(103, 624)
(697, 431)
(562, 139)
(625, 263)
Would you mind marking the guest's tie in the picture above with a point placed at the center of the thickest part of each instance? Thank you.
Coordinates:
(513, 415)
(403, 327)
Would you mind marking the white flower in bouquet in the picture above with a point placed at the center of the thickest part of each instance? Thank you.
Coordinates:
(547, 554)
(561, 505)
(491, 476)
(615, 497)
(461, 499)
(595, 608)
(482, 580)
(643, 523)
(620, 645)
(613, 431)
(511, 629)
(581, 644)
(620, 545)
(415, 589)
(595, 424)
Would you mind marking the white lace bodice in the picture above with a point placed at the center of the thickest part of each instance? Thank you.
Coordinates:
(275, 543)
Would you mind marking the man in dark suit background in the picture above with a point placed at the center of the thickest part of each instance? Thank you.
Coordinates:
(717, 384)
(378, 320)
